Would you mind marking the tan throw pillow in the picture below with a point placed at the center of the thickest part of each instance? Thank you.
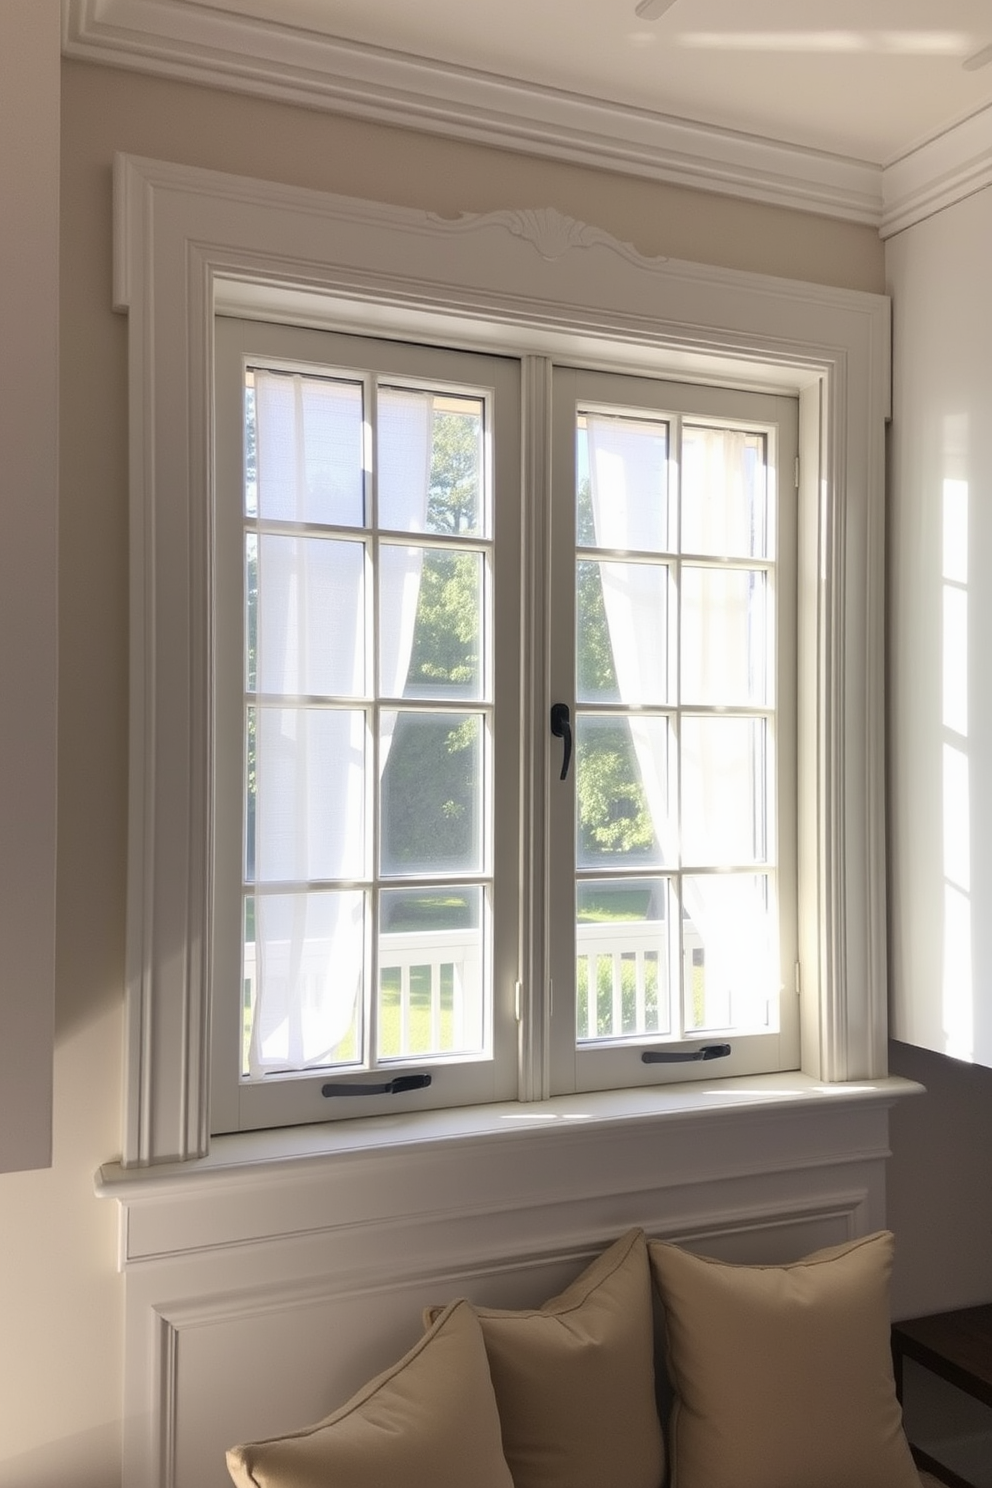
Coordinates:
(783, 1374)
(574, 1379)
(429, 1422)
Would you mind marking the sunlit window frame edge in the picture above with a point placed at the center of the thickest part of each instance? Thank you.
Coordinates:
(189, 242)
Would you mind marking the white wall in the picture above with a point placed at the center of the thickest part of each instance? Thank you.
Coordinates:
(940, 720)
(939, 274)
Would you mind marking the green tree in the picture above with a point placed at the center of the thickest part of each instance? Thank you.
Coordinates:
(613, 813)
(429, 789)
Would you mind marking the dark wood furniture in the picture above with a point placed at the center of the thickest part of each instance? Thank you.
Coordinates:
(957, 1346)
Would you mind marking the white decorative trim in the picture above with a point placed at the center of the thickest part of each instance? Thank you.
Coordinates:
(505, 1171)
(183, 237)
(273, 1307)
(197, 43)
(945, 170)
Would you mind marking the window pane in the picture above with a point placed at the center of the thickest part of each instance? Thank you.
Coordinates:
(725, 508)
(430, 462)
(731, 973)
(310, 794)
(624, 958)
(303, 975)
(309, 449)
(431, 996)
(622, 648)
(307, 635)
(623, 791)
(430, 615)
(725, 637)
(431, 812)
(622, 483)
(724, 791)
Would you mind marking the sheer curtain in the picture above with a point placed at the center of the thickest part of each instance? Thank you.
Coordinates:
(629, 490)
(311, 760)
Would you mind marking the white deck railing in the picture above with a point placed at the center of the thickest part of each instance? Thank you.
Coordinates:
(626, 963)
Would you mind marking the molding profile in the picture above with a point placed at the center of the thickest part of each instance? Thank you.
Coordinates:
(944, 170)
(197, 43)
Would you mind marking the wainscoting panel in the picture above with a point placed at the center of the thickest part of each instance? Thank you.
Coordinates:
(261, 1294)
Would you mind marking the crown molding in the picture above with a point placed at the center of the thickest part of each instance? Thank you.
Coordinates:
(196, 43)
(944, 170)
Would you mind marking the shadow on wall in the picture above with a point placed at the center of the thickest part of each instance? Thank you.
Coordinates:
(939, 1184)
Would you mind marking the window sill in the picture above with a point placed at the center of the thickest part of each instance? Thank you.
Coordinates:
(255, 1157)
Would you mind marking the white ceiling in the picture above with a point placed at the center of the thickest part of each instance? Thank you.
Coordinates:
(865, 78)
(761, 97)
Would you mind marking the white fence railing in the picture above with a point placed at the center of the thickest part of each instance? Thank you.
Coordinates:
(432, 986)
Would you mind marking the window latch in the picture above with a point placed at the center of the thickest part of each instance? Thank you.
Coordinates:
(666, 1056)
(399, 1086)
(562, 729)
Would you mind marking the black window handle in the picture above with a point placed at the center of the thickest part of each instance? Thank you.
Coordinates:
(399, 1086)
(562, 729)
(663, 1056)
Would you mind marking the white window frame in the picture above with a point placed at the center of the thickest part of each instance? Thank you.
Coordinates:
(189, 242)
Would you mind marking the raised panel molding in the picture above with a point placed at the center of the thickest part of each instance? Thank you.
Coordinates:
(237, 1329)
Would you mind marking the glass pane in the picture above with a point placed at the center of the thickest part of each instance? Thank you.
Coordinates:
(724, 791)
(624, 958)
(725, 637)
(303, 973)
(309, 779)
(732, 979)
(431, 813)
(622, 646)
(430, 462)
(623, 789)
(306, 615)
(430, 619)
(309, 449)
(725, 506)
(431, 990)
(622, 483)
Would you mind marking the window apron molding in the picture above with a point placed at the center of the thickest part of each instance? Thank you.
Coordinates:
(190, 243)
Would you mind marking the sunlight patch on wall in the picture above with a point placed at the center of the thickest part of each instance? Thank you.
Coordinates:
(958, 986)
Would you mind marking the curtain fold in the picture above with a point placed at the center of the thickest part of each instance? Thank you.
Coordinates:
(311, 757)
(628, 484)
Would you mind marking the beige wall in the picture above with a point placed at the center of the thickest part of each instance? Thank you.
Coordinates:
(60, 1296)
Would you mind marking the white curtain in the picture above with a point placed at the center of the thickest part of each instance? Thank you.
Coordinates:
(312, 762)
(629, 492)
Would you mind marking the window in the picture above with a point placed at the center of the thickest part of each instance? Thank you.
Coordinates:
(366, 769)
(547, 292)
(368, 750)
(673, 596)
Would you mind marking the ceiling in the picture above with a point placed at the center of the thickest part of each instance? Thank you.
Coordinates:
(789, 88)
(866, 78)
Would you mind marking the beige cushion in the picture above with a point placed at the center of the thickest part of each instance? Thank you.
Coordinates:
(429, 1422)
(783, 1374)
(574, 1379)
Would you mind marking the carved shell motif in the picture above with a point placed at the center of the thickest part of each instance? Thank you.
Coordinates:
(552, 233)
